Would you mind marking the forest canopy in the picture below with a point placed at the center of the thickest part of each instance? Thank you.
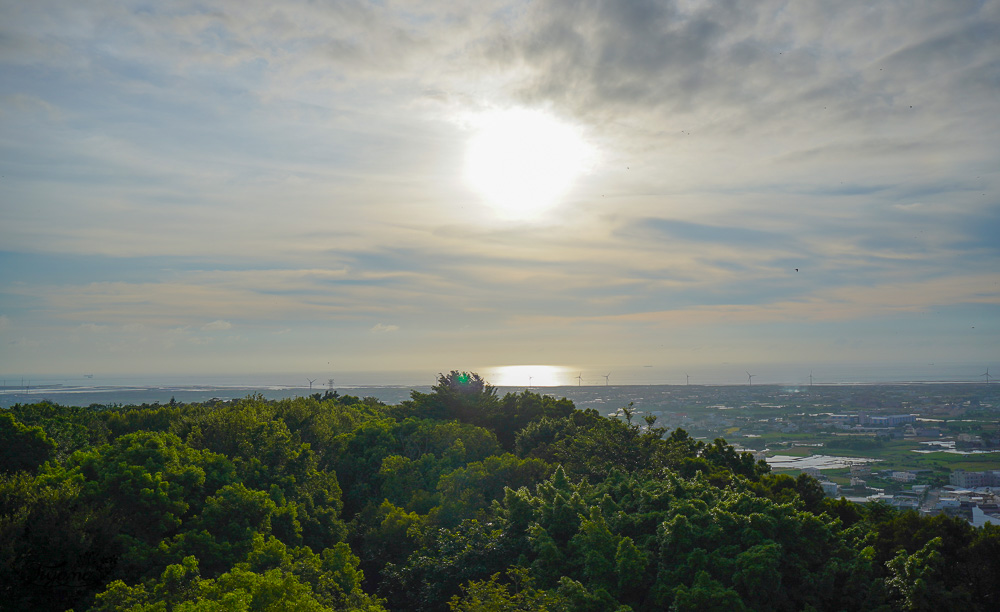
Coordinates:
(456, 499)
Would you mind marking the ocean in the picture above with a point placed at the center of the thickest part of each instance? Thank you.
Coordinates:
(604, 389)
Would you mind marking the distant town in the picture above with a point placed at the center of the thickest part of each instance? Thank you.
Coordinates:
(934, 448)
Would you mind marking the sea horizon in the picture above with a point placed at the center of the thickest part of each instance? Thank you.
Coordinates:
(395, 386)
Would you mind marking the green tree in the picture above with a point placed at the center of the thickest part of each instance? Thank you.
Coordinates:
(261, 445)
(22, 447)
(706, 594)
(434, 573)
(578, 597)
(515, 594)
(55, 548)
(918, 580)
(516, 410)
(273, 577)
(469, 491)
(630, 571)
(71, 428)
(593, 550)
(457, 395)
(240, 590)
(151, 480)
(383, 535)
(741, 464)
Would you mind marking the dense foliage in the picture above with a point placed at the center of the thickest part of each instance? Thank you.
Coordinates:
(455, 499)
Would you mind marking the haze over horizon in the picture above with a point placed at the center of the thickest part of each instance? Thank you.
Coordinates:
(220, 187)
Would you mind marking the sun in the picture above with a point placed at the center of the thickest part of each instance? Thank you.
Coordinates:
(523, 161)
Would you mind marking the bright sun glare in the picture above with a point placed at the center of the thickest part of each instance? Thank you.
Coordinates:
(523, 161)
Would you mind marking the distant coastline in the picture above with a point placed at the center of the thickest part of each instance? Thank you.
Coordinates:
(602, 396)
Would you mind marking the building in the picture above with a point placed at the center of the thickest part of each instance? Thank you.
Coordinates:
(904, 476)
(860, 470)
(905, 502)
(811, 471)
(947, 502)
(830, 489)
(964, 511)
(985, 513)
(893, 420)
(972, 480)
(842, 420)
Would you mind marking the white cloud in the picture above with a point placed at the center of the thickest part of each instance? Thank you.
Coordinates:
(217, 326)
(297, 167)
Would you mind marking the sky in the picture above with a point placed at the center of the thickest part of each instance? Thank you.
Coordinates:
(249, 187)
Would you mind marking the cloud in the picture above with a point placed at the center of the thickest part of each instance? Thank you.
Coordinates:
(297, 167)
(848, 303)
(752, 58)
(217, 326)
(28, 104)
(698, 232)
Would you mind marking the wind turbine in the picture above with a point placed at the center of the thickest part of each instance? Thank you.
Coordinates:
(687, 379)
(750, 378)
(529, 381)
(606, 377)
(579, 379)
(987, 375)
(810, 378)
(311, 381)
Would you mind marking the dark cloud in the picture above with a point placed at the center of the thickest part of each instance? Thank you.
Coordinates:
(666, 229)
(760, 60)
(629, 53)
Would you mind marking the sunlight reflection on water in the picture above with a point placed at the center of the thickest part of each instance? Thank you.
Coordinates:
(530, 375)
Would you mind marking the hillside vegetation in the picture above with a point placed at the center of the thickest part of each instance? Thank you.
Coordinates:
(457, 499)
